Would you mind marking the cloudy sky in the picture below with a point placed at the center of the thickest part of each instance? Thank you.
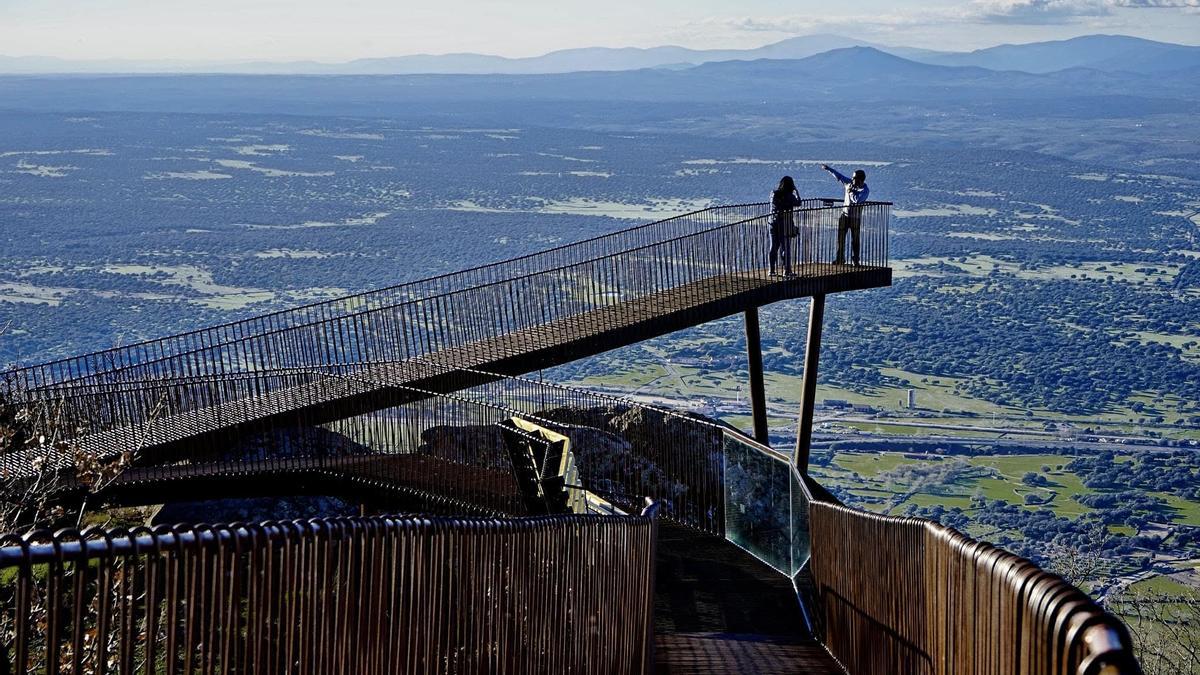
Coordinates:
(330, 30)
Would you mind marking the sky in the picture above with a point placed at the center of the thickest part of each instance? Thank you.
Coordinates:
(341, 30)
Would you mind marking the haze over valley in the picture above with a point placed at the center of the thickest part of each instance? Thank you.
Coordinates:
(1045, 310)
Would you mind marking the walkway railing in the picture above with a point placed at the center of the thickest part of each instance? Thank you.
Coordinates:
(448, 446)
(564, 593)
(481, 326)
(495, 311)
(376, 596)
(444, 444)
(906, 595)
(189, 354)
(627, 451)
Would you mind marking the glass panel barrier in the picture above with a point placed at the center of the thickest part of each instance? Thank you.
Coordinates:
(801, 540)
(766, 505)
(758, 502)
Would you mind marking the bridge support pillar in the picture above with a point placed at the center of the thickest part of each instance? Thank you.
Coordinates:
(808, 395)
(758, 393)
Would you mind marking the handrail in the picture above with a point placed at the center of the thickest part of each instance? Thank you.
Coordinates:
(388, 289)
(271, 328)
(901, 594)
(672, 458)
(374, 594)
(493, 318)
(675, 460)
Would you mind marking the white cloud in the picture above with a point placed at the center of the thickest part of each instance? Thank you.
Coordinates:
(1151, 4)
(1025, 12)
(807, 24)
(1034, 11)
(1059, 11)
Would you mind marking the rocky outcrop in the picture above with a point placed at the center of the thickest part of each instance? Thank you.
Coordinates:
(628, 452)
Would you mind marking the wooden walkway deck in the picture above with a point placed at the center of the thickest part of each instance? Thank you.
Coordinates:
(719, 610)
(376, 386)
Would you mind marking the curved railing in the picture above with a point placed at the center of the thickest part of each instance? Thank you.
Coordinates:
(627, 451)
(906, 595)
(388, 594)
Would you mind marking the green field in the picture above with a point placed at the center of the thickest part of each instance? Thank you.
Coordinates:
(998, 477)
(1161, 584)
(938, 397)
(871, 464)
(1186, 512)
(631, 378)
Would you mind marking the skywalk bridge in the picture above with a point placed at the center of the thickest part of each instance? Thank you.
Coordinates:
(509, 318)
(569, 531)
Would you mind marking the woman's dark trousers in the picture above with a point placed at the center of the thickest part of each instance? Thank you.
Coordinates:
(780, 243)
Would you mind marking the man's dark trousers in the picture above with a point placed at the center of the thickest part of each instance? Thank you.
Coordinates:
(852, 223)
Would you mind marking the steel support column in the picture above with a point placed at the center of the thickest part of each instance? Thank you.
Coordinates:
(808, 397)
(758, 394)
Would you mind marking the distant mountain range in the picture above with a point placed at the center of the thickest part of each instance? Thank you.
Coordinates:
(850, 76)
(1106, 53)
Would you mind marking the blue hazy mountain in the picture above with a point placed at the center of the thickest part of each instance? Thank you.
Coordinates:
(1109, 53)
(562, 61)
(852, 74)
(597, 58)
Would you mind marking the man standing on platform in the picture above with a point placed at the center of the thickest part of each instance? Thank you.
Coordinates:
(851, 218)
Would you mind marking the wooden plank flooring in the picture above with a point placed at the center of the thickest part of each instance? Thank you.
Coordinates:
(720, 610)
(735, 654)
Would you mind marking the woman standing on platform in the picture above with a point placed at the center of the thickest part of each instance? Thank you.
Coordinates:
(783, 224)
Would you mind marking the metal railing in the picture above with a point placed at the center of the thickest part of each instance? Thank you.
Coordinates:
(437, 318)
(563, 593)
(906, 595)
(182, 355)
(223, 382)
(627, 451)
(446, 445)
(379, 595)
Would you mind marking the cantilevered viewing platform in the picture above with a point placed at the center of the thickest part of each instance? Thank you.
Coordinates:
(509, 318)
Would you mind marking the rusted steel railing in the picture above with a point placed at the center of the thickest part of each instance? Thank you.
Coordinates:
(906, 595)
(571, 594)
(445, 445)
(441, 446)
(213, 349)
(459, 319)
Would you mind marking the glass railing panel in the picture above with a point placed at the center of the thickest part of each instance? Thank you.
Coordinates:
(758, 502)
(801, 543)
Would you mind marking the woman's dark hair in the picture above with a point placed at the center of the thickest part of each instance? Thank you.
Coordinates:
(860, 175)
(786, 185)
